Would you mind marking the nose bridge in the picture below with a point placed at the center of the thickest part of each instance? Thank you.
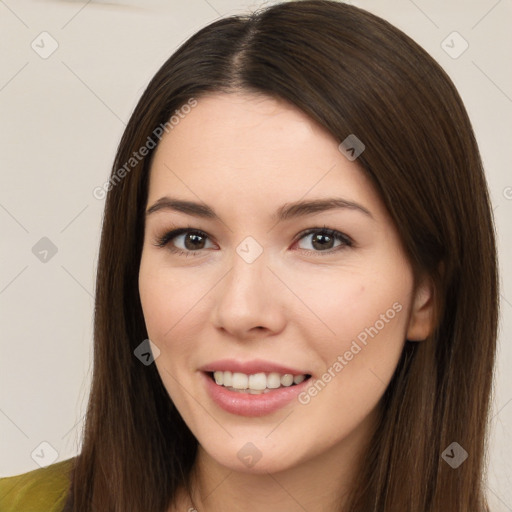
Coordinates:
(246, 299)
(248, 279)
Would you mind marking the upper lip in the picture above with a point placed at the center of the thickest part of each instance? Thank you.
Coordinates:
(250, 367)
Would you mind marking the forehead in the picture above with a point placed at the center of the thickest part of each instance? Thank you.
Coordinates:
(252, 150)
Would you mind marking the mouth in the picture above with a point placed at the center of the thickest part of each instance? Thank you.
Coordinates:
(254, 387)
(256, 383)
(234, 392)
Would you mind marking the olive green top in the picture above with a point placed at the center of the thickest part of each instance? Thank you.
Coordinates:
(41, 490)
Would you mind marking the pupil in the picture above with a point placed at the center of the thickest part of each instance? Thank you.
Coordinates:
(193, 237)
(320, 235)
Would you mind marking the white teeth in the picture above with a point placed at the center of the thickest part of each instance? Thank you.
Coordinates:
(228, 379)
(240, 381)
(298, 379)
(287, 379)
(273, 380)
(256, 383)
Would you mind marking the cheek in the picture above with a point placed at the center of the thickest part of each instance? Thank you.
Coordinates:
(366, 314)
(168, 304)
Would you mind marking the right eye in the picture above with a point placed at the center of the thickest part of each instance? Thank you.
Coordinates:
(192, 240)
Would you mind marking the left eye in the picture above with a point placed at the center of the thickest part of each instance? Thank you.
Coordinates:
(194, 240)
(324, 238)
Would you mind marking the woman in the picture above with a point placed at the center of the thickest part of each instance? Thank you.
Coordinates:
(298, 219)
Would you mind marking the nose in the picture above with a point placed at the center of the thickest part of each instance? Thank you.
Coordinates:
(248, 302)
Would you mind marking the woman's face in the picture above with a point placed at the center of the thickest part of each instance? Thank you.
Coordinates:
(266, 290)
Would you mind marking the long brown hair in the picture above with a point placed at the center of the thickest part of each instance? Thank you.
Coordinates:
(354, 73)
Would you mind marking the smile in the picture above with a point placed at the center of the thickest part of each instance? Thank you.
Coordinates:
(254, 402)
(257, 383)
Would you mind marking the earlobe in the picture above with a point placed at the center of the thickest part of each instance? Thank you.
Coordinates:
(421, 318)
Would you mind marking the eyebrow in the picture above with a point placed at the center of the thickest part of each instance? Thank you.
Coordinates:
(285, 212)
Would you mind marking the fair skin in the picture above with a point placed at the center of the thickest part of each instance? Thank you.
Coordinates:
(301, 303)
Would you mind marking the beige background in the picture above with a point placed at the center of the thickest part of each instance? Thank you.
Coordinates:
(61, 120)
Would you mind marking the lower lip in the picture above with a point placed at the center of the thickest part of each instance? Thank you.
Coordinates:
(245, 404)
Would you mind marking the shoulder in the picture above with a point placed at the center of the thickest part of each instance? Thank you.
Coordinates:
(41, 490)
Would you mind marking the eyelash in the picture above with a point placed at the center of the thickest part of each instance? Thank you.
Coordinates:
(163, 241)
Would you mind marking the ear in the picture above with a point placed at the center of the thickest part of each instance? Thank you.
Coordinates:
(421, 318)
